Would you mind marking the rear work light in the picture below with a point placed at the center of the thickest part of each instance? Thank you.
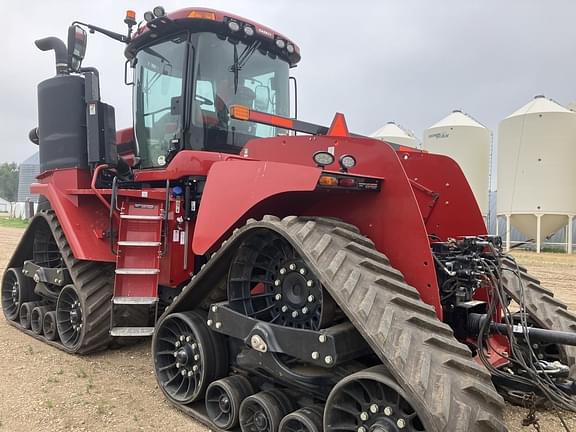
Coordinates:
(344, 182)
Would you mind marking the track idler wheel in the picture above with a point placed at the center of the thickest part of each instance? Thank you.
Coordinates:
(26, 313)
(70, 317)
(37, 318)
(308, 419)
(188, 356)
(16, 289)
(223, 399)
(370, 401)
(264, 411)
(49, 326)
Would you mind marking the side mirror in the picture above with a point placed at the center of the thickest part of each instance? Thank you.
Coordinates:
(262, 98)
(77, 39)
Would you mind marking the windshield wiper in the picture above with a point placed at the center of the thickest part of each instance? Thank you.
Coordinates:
(241, 60)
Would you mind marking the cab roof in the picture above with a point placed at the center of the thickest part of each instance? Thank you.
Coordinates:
(205, 19)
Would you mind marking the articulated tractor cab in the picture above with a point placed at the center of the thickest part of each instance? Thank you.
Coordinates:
(293, 276)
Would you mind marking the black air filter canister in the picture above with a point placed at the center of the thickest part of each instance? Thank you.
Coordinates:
(62, 123)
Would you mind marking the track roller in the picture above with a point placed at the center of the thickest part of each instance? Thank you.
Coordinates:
(308, 419)
(264, 411)
(187, 356)
(370, 401)
(26, 313)
(49, 326)
(16, 289)
(223, 399)
(37, 318)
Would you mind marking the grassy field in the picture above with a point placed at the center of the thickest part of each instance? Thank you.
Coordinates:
(6, 221)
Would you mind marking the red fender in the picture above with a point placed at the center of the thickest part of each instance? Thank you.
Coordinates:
(234, 187)
(81, 215)
(239, 189)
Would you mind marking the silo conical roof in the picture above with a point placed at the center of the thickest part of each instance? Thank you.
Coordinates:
(396, 134)
(540, 104)
(457, 118)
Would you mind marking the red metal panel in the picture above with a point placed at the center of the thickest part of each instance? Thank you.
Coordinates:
(83, 218)
(456, 212)
(185, 163)
(236, 186)
(391, 218)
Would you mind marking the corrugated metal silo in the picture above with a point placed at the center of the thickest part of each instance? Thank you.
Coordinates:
(536, 176)
(28, 171)
(466, 141)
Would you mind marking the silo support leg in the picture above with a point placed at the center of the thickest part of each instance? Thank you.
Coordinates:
(508, 233)
(569, 239)
(538, 233)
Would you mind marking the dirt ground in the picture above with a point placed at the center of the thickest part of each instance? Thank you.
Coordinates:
(43, 389)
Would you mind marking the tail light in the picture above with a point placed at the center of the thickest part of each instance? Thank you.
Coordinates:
(346, 182)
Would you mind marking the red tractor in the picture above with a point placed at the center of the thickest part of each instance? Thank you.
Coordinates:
(294, 277)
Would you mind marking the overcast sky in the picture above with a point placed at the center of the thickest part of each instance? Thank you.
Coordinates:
(409, 61)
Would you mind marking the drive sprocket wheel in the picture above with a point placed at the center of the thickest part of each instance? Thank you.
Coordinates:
(188, 356)
(272, 283)
(370, 401)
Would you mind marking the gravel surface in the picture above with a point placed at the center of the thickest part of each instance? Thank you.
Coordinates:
(44, 389)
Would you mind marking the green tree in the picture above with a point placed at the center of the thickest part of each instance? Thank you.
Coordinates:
(9, 181)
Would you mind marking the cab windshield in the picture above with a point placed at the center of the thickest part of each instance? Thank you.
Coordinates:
(234, 73)
(169, 116)
(158, 95)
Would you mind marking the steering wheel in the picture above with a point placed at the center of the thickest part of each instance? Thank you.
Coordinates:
(203, 100)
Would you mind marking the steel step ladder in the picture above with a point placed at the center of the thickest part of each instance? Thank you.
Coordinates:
(138, 253)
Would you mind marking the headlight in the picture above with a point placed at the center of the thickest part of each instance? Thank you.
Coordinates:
(280, 43)
(248, 31)
(290, 48)
(148, 16)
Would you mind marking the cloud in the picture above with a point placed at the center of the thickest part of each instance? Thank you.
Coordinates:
(411, 61)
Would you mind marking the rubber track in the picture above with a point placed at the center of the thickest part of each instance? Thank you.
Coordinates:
(94, 283)
(451, 391)
(548, 312)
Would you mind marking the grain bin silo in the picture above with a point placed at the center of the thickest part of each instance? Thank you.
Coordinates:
(466, 141)
(393, 133)
(536, 175)
(27, 172)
